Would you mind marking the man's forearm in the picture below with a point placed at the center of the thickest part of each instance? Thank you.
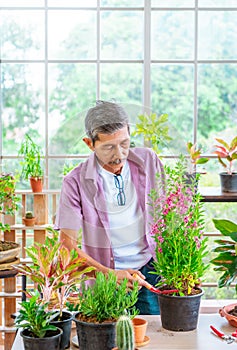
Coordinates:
(69, 239)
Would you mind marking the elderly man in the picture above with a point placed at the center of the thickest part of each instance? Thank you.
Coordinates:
(107, 197)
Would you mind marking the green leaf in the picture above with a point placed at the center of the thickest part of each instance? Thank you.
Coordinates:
(226, 227)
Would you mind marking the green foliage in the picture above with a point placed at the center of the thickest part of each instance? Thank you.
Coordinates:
(177, 229)
(226, 260)
(54, 269)
(124, 333)
(67, 168)
(154, 128)
(106, 299)
(8, 199)
(32, 154)
(228, 152)
(195, 156)
(34, 316)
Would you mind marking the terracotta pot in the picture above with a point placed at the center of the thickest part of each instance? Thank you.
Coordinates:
(36, 184)
(140, 327)
(224, 312)
(29, 222)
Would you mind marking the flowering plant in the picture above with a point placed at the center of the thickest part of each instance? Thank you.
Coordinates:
(177, 229)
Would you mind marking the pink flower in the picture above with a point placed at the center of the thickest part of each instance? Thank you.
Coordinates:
(160, 239)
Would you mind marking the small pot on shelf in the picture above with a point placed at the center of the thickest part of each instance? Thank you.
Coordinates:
(29, 219)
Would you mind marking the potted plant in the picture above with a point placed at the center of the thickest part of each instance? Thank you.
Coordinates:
(154, 129)
(8, 205)
(226, 262)
(227, 154)
(31, 164)
(34, 320)
(177, 228)
(55, 270)
(100, 306)
(29, 218)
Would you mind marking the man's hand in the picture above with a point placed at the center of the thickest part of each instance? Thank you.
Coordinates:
(128, 274)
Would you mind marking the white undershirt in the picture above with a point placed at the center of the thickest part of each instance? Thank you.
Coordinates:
(126, 222)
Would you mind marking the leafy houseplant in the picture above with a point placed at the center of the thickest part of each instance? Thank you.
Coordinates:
(35, 321)
(226, 262)
(229, 153)
(154, 128)
(177, 229)
(195, 156)
(55, 270)
(100, 307)
(31, 165)
(8, 199)
(8, 205)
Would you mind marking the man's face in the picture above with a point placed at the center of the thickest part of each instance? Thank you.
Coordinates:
(111, 150)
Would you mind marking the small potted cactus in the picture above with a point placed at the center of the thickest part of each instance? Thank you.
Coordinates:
(29, 219)
(124, 333)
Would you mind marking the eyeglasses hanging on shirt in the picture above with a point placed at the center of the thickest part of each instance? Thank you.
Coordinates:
(121, 198)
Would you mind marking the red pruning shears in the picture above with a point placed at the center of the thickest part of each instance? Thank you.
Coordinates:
(228, 338)
(153, 289)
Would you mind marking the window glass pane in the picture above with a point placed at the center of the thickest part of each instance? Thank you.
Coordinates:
(172, 35)
(72, 90)
(73, 3)
(22, 34)
(22, 3)
(22, 103)
(122, 3)
(172, 93)
(69, 34)
(217, 3)
(217, 34)
(121, 36)
(58, 168)
(173, 3)
(126, 87)
(217, 96)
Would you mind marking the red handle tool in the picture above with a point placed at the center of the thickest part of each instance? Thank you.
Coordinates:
(153, 289)
(228, 338)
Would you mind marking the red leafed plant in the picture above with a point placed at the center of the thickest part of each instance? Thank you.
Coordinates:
(228, 152)
(54, 269)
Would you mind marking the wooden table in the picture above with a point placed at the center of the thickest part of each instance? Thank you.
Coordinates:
(161, 339)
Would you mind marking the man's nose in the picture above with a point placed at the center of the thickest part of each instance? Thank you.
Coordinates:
(118, 151)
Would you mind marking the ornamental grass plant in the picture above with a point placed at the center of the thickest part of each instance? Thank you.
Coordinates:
(177, 228)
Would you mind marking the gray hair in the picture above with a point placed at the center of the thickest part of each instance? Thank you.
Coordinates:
(105, 118)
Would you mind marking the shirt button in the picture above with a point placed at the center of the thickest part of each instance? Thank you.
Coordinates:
(112, 259)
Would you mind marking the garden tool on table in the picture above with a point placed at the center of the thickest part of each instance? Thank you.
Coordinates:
(228, 338)
(152, 288)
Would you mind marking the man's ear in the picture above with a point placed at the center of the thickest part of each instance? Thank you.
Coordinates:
(89, 143)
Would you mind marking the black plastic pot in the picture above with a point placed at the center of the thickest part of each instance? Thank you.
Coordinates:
(95, 336)
(228, 182)
(66, 325)
(179, 313)
(50, 342)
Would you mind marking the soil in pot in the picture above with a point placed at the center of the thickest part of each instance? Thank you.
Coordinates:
(8, 251)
